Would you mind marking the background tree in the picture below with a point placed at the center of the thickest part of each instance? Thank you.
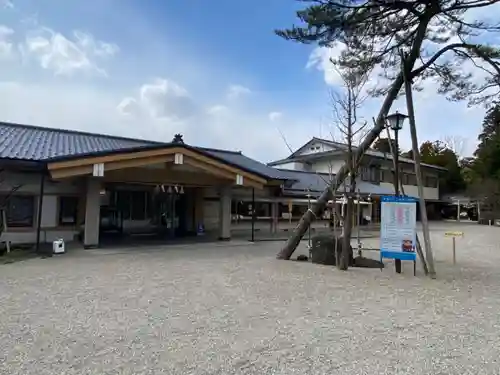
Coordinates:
(382, 145)
(437, 153)
(467, 169)
(485, 167)
(487, 163)
(345, 104)
(437, 33)
(408, 154)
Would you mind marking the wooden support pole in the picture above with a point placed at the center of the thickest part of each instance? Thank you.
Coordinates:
(416, 156)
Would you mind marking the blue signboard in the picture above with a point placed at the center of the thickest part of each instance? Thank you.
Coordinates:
(398, 227)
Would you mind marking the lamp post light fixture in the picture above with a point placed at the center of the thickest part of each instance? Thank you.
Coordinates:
(395, 122)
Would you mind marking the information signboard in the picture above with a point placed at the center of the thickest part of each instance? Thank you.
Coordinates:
(398, 224)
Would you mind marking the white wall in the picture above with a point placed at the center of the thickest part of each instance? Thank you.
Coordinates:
(293, 166)
(429, 193)
(327, 166)
(316, 147)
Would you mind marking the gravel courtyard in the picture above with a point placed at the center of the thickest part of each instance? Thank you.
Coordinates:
(233, 308)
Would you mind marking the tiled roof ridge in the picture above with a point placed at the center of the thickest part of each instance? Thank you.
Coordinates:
(219, 150)
(299, 171)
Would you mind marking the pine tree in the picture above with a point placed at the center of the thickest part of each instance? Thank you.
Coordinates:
(436, 33)
(382, 145)
(487, 163)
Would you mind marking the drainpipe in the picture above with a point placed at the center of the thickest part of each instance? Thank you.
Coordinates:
(39, 213)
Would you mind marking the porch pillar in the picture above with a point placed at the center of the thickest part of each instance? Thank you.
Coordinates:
(92, 214)
(225, 213)
(274, 217)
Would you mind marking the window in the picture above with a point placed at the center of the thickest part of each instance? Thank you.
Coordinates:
(386, 176)
(365, 174)
(375, 175)
(20, 211)
(68, 210)
(411, 179)
(134, 205)
(370, 174)
(431, 181)
(404, 178)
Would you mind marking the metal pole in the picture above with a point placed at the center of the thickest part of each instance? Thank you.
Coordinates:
(454, 251)
(39, 214)
(253, 215)
(358, 222)
(397, 262)
(309, 229)
(396, 162)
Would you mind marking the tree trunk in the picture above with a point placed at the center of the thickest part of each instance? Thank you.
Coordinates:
(346, 236)
(319, 207)
(316, 209)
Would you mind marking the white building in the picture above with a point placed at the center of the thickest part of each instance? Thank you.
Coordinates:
(324, 156)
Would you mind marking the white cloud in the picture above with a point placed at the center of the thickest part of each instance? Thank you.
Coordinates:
(66, 56)
(6, 4)
(94, 47)
(237, 91)
(6, 45)
(320, 58)
(161, 99)
(217, 109)
(274, 116)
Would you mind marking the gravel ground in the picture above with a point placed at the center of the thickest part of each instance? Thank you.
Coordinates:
(233, 308)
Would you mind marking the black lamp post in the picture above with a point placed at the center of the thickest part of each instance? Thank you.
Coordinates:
(395, 122)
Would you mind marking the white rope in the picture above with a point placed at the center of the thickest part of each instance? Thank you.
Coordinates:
(311, 211)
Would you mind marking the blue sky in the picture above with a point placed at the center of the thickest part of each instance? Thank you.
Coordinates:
(212, 70)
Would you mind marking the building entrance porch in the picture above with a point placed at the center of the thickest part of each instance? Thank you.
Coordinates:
(158, 192)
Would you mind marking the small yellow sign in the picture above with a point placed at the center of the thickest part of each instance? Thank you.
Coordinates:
(454, 234)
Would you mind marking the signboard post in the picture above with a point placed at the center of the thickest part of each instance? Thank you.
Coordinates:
(453, 236)
(398, 235)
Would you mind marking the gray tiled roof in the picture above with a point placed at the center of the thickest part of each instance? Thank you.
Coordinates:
(36, 143)
(25, 142)
(302, 181)
(316, 183)
(237, 158)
